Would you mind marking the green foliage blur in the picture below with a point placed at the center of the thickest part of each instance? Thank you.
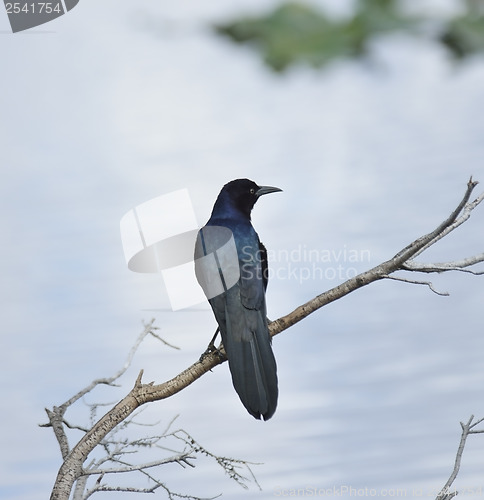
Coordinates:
(464, 35)
(300, 33)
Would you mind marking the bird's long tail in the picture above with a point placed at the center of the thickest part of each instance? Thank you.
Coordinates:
(252, 363)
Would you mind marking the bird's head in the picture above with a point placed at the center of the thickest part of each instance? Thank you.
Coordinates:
(242, 194)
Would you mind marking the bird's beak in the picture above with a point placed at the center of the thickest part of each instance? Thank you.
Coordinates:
(266, 190)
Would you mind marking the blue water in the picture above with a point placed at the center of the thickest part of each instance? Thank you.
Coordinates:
(109, 111)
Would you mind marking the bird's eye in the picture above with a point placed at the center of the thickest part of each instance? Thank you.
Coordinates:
(252, 191)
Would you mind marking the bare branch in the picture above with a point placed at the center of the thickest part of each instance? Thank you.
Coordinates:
(449, 224)
(181, 459)
(79, 488)
(100, 487)
(231, 466)
(145, 393)
(440, 267)
(73, 426)
(466, 210)
(382, 270)
(170, 423)
(55, 421)
(171, 495)
(56, 415)
(110, 380)
(153, 334)
(467, 428)
(417, 282)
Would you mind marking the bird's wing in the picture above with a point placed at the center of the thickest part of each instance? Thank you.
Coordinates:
(240, 311)
(216, 260)
(264, 264)
(253, 272)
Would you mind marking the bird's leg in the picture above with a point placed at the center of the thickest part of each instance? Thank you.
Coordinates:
(211, 346)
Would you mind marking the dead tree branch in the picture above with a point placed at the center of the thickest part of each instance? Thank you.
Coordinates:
(56, 415)
(418, 282)
(467, 428)
(143, 393)
(440, 267)
(397, 263)
(118, 449)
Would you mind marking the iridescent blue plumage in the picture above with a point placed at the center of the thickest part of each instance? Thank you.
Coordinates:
(240, 310)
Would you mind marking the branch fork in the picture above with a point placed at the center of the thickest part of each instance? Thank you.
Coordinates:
(71, 469)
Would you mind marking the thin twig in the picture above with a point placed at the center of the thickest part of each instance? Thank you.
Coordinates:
(417, 282)
(440, 267)
(181, 459)
(153, 334)
(109, 380)
(467, 208)
(467, 428)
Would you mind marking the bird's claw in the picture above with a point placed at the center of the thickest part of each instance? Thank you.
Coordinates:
(212, 349)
